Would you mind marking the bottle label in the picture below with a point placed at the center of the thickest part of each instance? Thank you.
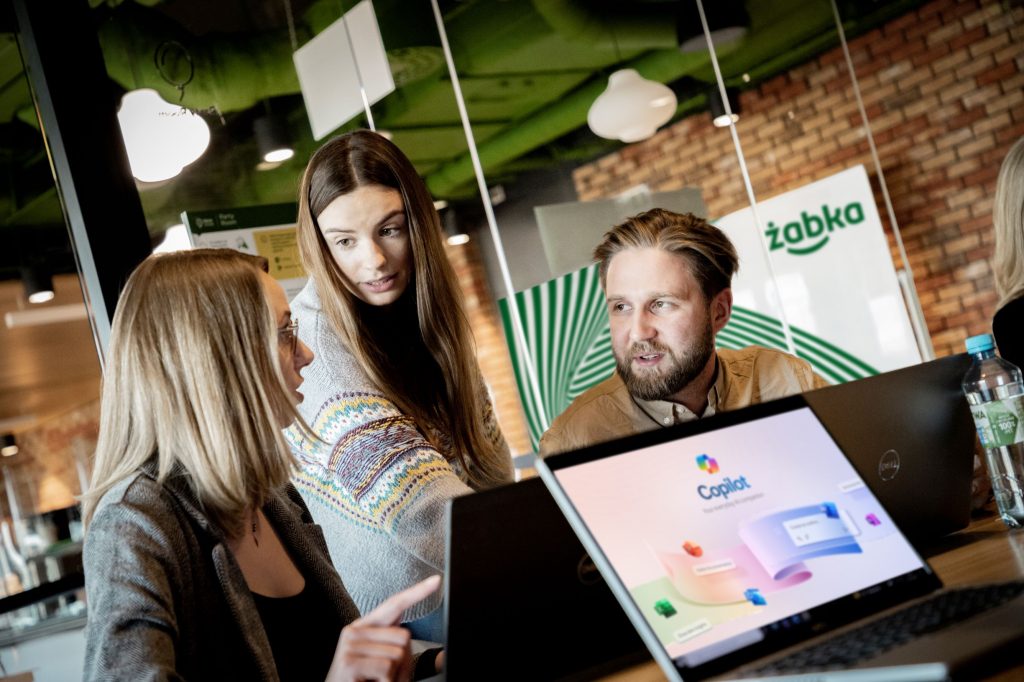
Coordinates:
(1000, 422)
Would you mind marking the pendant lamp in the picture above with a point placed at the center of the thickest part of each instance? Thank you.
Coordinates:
(161, 138)
(631, 108)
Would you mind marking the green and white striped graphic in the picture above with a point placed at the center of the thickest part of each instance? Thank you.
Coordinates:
(566, 326)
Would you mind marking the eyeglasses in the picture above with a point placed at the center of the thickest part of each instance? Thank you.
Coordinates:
(289, 334)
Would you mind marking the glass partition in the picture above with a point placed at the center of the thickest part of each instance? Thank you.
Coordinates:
(555, 212)
(937, 85)
(49, 393)
(824, 269)
(851, 122)
(306, 71)
(869, 135)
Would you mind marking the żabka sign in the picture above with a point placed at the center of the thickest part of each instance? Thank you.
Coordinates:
(833, 268)
(811, 232)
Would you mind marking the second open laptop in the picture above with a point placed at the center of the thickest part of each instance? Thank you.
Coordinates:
(910, 435)
(523, 600)
(747, 545)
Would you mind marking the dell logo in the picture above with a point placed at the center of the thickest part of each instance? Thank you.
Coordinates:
(889, 465)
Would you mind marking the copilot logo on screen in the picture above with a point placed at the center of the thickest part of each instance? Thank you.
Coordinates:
(708, 464)
(728, 485)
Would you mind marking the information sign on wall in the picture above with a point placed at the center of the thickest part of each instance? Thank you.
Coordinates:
(267, 231)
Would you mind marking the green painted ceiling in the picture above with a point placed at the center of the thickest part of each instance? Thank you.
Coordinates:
(529, 70)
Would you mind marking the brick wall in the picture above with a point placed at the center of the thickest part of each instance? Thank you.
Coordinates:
(944, 91)
(492, 352)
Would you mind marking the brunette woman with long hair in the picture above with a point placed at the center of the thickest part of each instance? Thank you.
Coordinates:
(201, 560)
(395, 395)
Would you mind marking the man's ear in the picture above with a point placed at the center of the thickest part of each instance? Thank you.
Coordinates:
(721, 309)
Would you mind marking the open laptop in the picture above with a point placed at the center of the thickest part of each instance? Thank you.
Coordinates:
(526, 600)
(731, 541)
(910, 435)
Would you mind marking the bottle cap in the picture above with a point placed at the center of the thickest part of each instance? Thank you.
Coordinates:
(980, 343)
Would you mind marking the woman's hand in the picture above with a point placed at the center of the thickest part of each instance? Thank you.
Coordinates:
(375, 647)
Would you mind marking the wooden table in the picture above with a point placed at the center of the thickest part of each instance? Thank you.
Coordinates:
(983, 552)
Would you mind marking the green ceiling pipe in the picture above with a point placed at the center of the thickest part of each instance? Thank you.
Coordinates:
(230, 73)
(235, 73)
(551, 123)
(414, 25)
(634, 26)
(570, 113)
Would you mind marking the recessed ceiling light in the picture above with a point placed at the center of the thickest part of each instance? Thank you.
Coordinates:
(8, 448)
(38, 284)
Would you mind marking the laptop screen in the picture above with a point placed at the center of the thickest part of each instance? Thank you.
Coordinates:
(724, 537)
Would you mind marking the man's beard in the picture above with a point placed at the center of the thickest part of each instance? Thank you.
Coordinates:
(666, 381)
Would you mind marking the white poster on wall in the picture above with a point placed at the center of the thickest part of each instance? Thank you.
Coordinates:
(832, 266)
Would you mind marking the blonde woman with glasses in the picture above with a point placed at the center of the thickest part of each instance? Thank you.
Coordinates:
(201, 560)
(395, 394)
(1008, 261)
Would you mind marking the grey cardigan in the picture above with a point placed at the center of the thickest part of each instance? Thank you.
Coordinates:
(167, 600)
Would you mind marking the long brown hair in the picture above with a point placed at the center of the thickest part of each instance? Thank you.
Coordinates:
(364, 158)
(194, 379)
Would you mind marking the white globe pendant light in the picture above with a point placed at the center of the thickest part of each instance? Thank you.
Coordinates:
(632, 108)
(161, 138)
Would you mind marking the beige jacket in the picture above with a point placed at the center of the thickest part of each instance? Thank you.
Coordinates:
(743, 377)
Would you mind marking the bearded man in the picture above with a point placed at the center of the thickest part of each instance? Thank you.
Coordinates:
(667, 280)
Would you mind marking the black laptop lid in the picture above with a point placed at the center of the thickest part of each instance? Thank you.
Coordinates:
(910, 435)
(732, 537)
(523, 600)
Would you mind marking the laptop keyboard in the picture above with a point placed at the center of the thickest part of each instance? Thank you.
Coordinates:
(877, 637)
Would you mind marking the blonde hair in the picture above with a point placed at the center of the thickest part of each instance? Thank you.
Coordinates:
(712, 257)
(1008, 220)
(193, 378)
(364, 158)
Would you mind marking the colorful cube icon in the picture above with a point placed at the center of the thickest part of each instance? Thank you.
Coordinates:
(753, 595)
(873, 520)
(830, 510)
(693, 549)
(663, 607)
(707, 464)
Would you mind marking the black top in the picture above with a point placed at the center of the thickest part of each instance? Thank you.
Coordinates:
(409, 364)
(303, 633)
(1008, 330)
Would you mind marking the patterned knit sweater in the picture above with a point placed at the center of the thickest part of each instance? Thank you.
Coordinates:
(376, 485)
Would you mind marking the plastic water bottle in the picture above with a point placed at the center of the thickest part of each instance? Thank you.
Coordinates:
(995, 392)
